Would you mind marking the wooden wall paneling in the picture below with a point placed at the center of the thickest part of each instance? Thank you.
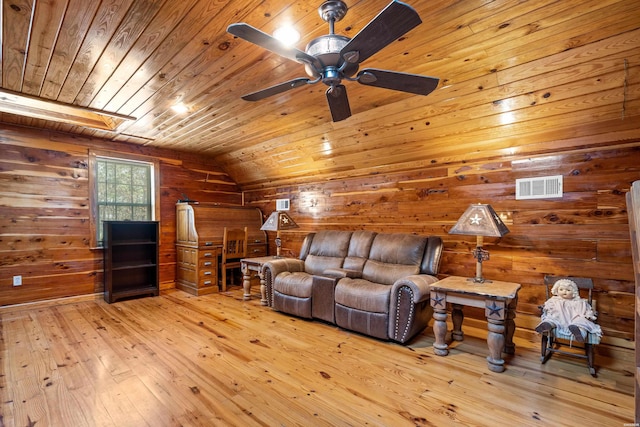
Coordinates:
(44, 226)
(582, 233)
(528, 89)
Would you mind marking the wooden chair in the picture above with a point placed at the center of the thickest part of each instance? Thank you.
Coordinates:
(553, 340)
(234, 248)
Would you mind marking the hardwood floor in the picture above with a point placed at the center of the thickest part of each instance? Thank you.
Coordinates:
(215, 360)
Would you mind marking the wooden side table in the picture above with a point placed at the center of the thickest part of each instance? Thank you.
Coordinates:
(247, 265)
(499, 300)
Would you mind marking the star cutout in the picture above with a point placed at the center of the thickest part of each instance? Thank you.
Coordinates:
(475, 219)
(494, 309)
(438, 300)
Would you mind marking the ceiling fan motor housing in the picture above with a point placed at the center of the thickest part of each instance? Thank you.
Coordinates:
(327, 50)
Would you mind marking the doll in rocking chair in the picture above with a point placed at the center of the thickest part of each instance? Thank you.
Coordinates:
(568, 313)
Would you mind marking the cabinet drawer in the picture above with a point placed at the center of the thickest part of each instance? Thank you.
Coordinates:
(207, 282)
(206, 272)
(256, 250)
(207, 254)
(208, 263)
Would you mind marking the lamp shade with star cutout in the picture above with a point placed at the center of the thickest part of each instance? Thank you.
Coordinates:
(278, 221)
(480, 220)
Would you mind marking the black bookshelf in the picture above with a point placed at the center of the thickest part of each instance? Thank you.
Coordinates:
(130, 259)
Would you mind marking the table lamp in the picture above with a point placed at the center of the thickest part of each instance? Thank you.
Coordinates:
(480, 220)
(277, 221)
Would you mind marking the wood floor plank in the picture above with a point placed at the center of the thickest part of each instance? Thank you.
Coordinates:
(182, 360)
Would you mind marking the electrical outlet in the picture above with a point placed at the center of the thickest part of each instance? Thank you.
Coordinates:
(17, 280)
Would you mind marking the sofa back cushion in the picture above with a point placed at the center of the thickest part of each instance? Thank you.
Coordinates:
(394, 256)
(306, 245)
(328, 249)
(432, 256)
(359, 248)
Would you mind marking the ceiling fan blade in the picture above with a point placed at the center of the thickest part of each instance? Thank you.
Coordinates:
(391, 23)
(279, 88)
(257, 37)
(338, 102)
(412, 83)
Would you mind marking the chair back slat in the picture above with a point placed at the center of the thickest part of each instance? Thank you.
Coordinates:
(234, 248)
(234, 243)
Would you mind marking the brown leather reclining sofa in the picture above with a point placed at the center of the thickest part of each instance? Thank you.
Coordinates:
(373, 283)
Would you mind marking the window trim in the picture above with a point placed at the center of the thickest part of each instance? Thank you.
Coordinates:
(93, 187)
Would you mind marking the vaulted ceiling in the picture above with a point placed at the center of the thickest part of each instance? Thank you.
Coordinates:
(517, 77)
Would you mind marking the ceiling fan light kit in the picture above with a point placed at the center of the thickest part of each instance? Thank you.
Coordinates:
(332, 58)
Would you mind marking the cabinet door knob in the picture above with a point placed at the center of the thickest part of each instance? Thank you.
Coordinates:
(207, 255)
(207, 264)
(206, 282)
(207, 273)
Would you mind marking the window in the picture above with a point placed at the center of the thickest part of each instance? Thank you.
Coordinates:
(122, 189)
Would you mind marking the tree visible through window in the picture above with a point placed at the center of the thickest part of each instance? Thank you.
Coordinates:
(124, 191)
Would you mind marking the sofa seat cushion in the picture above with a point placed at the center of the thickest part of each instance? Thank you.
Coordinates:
(297, 284)
(363, 295)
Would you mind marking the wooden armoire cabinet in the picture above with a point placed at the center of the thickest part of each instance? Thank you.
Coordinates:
(130, 259)
(199, 234)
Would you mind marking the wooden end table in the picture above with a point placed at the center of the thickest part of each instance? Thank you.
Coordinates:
(499, 300)
(247, 265)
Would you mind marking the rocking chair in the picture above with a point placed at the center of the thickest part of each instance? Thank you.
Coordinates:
(553, 340)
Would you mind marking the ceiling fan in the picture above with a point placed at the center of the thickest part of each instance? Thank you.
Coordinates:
(332, 58)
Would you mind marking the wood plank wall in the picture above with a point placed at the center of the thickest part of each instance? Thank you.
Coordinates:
(44, 211)
(44, 229)
(584, 233)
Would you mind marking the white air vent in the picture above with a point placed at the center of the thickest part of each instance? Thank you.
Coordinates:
(282, 204)
(541, 187)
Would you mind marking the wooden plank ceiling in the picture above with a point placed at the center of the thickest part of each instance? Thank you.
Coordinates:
(516, 77)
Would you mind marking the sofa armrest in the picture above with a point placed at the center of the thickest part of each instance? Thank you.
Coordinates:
(323, 298)
(420, 285)
(272, 268)
(410, 308)
(339, 273)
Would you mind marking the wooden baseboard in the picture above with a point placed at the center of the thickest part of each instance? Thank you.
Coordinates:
(50, 302)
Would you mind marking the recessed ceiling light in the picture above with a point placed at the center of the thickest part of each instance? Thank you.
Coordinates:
(287, 35)
(180, 108)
